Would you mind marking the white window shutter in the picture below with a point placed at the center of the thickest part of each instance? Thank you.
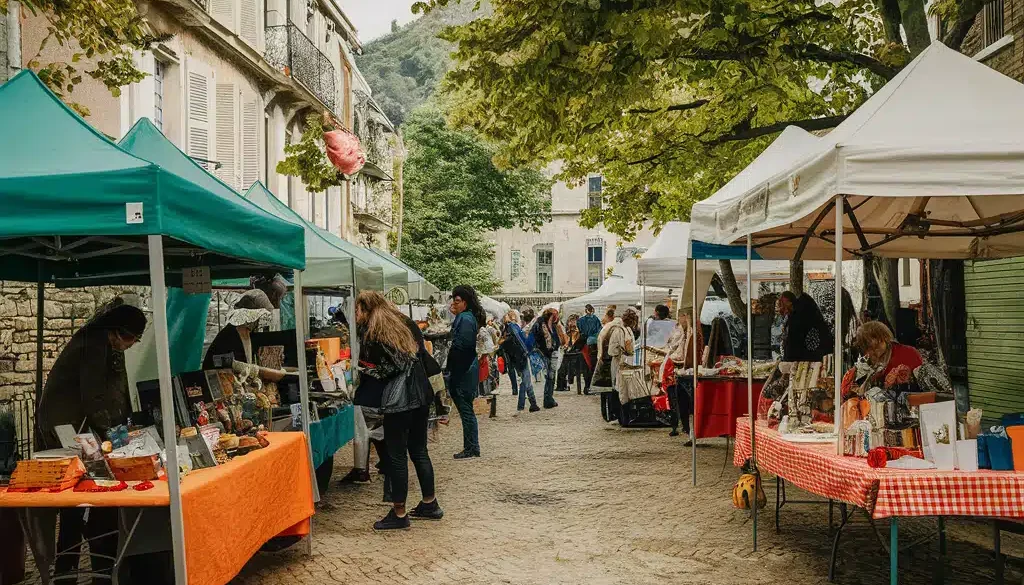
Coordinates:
(200, 107)
(251, 117)
(227, 134)
(223, 11)
(249, 23)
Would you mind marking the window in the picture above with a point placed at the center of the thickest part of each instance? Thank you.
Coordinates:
(545, 270)
(905, 272)
(595, 264)
(993, 30)
(159, 69)
(594, 193)
(516, 264)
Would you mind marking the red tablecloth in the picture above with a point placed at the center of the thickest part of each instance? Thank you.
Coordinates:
(818, 469)
(717, 403)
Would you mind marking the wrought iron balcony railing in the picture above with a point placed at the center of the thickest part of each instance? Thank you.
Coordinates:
(290, 49)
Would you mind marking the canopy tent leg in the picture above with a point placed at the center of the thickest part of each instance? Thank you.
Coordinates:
(40, 309)
(301, 324)
(694, 328)
(163, 362)
(837, 356)
(750, 374)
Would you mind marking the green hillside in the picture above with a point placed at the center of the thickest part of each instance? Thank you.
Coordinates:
(405, 66)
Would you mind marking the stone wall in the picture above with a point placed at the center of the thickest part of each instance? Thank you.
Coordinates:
(65, 311)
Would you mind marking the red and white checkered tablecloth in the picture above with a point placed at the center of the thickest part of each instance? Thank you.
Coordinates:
(818, 469)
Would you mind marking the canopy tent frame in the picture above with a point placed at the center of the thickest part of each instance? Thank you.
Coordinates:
(76, 204)
(889, 153)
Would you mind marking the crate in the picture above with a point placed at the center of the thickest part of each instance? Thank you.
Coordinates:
(47, 473)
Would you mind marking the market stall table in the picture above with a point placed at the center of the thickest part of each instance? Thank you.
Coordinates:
(717, 402)
(230, 510)
(883, 493)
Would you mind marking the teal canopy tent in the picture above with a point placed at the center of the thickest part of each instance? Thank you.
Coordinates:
(77, 206)
(419, 288)
(331, 261)
(95, 202)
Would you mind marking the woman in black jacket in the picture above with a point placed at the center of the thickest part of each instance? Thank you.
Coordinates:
(393, 380)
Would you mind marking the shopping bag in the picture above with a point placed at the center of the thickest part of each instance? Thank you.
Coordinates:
(660, 402)
(501, 365)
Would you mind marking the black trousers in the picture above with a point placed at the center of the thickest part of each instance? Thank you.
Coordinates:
(406, 433)
(680, 397)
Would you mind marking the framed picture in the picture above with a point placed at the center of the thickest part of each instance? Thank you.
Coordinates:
(221, 383)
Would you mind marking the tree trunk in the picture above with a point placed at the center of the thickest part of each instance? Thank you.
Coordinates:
(915, 24)
(732, 290)
(886, 274)
(796, 277)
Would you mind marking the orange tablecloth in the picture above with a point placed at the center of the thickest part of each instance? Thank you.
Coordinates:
(230, 510)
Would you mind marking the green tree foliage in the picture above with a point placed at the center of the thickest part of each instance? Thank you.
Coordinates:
(307, 158)
(404, 68)
(454, 195)
(106, 33)
(668, 99)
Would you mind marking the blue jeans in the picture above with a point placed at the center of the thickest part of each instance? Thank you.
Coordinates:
(526, 388)
(512, 377)
(549, 381)
(463, 392)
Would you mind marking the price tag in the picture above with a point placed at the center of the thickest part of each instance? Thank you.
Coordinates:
(196, 280)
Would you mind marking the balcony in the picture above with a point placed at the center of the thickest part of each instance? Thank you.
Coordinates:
(288, 48)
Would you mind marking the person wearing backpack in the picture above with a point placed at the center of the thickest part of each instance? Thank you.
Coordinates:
(517, 360)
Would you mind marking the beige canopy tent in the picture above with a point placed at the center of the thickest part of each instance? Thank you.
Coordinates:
(931, 166)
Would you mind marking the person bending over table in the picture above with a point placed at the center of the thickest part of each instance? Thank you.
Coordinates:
(234, 339)
(88, 389)
(878, 345)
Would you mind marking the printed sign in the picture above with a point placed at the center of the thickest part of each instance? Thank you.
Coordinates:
(196, 280)
(133, 213)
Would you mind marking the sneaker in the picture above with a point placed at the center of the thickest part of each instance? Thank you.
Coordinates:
(443, 419)
(425, 511)
(392, 522)
(466, 454)
(534, 407)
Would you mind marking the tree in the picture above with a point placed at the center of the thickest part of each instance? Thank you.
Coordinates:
(669, 99)
(106, 34)
(454, 195)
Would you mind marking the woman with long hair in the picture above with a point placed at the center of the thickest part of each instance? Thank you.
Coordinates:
(394, 381)
(462, 367)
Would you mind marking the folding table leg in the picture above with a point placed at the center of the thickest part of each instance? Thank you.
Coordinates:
(778, 502)
(894, 551)
(940, 567)
(843, 517)
(997, 543)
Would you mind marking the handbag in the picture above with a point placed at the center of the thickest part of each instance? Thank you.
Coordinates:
(395, 397)
(433, 371)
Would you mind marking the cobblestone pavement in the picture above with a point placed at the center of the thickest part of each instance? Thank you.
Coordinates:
(560, 496)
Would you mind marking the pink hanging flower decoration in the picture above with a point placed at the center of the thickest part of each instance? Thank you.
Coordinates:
(344, 151)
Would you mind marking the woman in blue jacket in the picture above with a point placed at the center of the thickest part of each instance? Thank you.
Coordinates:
(462, 367)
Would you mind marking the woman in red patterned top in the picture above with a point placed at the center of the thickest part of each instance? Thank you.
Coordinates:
(876, 342)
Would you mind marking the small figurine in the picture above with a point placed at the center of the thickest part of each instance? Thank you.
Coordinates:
(202, 417)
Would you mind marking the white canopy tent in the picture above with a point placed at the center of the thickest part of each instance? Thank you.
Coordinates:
(495, 309)
(929, 169)
(617, 290)
(931, 166)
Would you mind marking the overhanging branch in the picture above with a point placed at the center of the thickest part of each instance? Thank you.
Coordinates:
(748, 133)
(673, 108)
